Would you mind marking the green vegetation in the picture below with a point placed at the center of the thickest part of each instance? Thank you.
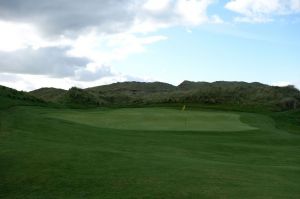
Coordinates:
(207, 151)
(241, 94)
(49, 94)
(157, 119)
(10, 97)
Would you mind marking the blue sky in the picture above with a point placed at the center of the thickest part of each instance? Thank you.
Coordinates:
(266, 53)
(74, 43)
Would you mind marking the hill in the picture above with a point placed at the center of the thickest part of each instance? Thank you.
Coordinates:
(129, 93)
(144, 87)
(74, 97)
(141, 93)
(239, 93)
(49, 94)
(11, 97)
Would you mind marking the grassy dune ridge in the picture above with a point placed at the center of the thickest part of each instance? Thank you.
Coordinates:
(253, 95)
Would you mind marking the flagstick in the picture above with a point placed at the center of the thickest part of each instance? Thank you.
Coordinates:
(185, 117)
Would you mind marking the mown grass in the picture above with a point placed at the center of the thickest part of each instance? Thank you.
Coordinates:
(47, 157)
(156, 119)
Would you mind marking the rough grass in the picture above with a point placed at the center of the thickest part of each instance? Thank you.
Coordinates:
(157, 119)
(43, 157)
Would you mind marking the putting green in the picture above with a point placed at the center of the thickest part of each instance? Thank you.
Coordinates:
(157, 119)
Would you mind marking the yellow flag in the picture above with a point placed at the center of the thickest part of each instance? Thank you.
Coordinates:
(183, 108)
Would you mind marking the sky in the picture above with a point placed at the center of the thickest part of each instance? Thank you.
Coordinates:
(65, 43)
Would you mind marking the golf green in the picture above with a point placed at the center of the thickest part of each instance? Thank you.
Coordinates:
(157, 119)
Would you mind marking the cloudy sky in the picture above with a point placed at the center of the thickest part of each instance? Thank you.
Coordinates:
(64, 43)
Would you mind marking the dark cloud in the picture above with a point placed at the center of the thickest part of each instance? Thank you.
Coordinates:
(68, 16)
(51, 62)
(44, 61)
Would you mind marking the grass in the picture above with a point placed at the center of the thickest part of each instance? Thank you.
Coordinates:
(157, 119)
(58, 153)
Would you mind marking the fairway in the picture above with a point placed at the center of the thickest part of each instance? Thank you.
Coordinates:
(149, 153)
(157, 119)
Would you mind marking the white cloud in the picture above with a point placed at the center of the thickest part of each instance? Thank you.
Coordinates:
(193, 12)
(8, 78)
(149, 25)
(79, 40)
(216, 19)
(295, 5)
(15, 36)
(260, 11)
(156, 5)
(167, 13)
(253, 19)
(251, 7)
(103, 49)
